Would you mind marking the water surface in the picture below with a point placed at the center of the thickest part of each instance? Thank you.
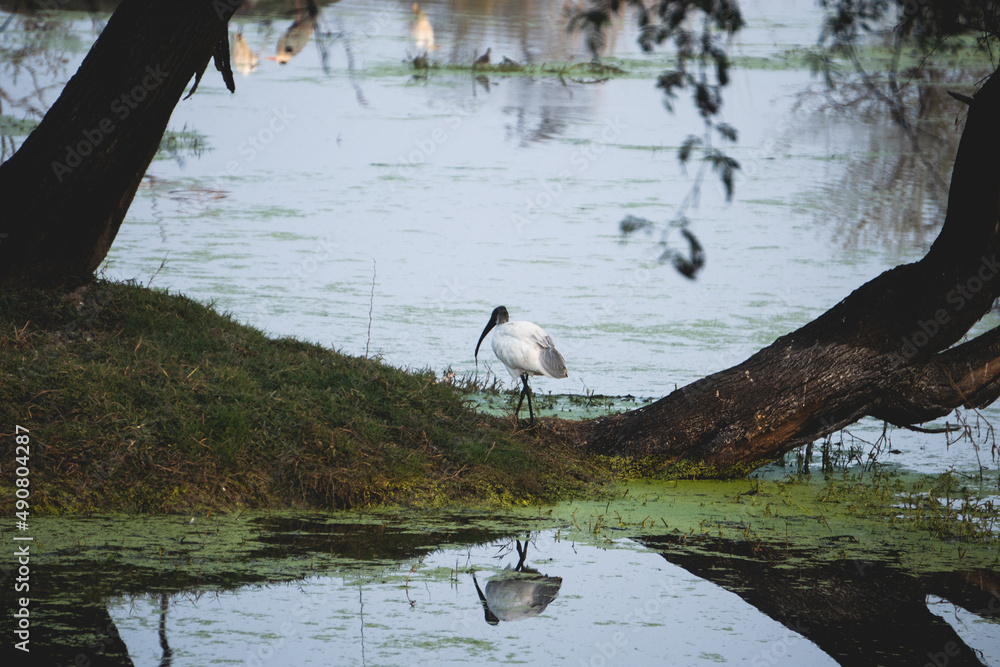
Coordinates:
(347, 199)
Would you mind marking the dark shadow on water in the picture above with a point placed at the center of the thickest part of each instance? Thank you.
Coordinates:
(280, 537)
(858, 612)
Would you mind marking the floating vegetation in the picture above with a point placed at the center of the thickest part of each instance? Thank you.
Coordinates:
(17, 127)
(584, 72)
(177, 144)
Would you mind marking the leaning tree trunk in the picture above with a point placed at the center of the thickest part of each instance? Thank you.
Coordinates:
(66, 191)
(884, 351)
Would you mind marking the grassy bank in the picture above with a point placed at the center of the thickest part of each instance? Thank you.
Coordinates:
(141, 401)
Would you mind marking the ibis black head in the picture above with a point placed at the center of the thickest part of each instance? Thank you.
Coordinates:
(499, 316)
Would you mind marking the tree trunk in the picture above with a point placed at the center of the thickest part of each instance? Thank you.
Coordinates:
(67, 189)
(884, 351)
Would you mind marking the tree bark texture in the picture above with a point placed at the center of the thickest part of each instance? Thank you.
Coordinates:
(885, 351)
(66, 190)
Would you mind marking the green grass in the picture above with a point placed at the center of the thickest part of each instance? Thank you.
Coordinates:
(141, 401)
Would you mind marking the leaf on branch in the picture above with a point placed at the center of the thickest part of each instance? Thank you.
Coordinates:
(684, 41)
(721, 66)
(684, 154)
(689, 265)
(727, 131)
(822, 64)
(667, 82)
(726, 167)
(674, 15)
(632, 223)
(707, 99)
(670, 80)
(728, 16)
(728, 172)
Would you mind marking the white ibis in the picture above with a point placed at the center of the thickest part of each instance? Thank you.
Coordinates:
(525, 349)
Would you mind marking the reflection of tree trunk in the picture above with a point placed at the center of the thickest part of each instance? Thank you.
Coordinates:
(859, 613)
(883, 351)
(66, 191)
(80, 633)
(976, 591)
(167, 655)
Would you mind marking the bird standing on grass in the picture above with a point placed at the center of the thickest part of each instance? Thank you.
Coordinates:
(483, 59)
(525, 349)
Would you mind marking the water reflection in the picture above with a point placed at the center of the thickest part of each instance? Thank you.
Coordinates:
(421, 31)
(295, 38)
(34, 57)
(167, 657)
(243, 57)
(517, 594)
(548, 124)
(858, 612)
(895, 193)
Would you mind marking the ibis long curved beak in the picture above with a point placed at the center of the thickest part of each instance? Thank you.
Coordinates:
(489, 325)
(490, 616)
(499, 316)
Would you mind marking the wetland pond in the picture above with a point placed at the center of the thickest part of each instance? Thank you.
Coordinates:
(343, 197)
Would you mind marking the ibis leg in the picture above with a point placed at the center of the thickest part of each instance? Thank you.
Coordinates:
(524, 379)
(527, 390)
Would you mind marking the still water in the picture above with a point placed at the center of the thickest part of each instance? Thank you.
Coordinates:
(346, 201)
(646, 610)
(342, 197)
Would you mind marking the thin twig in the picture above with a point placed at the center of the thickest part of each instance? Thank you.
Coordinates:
(371, 307)
(163, 263)
(920, 429)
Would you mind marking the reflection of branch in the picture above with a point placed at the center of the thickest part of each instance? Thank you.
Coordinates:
(361, 615)
(325, 38)
(897, 108)
(167, 656)
(407, 586)
(36, 53)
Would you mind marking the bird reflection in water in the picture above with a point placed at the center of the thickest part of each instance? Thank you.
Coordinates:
(294, 39)
(244, 59)
(421, 31)
(518, 594)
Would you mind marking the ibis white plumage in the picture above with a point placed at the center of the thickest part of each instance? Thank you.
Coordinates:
(525, 349)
